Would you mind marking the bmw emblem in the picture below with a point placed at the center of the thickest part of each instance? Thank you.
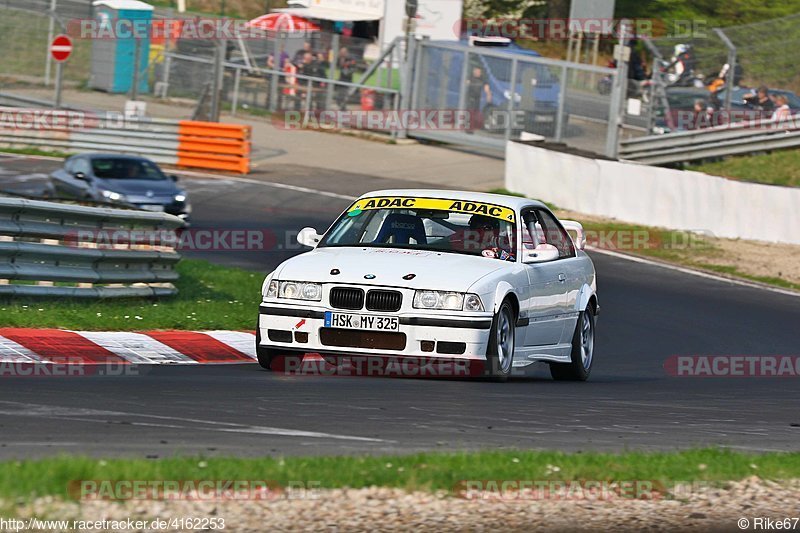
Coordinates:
(149, 194)
(369, 276)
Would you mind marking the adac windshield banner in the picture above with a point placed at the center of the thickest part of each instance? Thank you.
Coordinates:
(439, 204)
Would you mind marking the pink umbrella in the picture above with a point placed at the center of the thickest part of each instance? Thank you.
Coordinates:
(283, 22)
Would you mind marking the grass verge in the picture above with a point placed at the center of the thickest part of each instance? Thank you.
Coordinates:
(781, 167)
(35, 151)
(425, 472)
(209, 297)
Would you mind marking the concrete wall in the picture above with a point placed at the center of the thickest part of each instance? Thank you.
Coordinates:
(655, 196)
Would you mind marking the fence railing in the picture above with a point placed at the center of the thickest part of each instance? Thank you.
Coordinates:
(186, 143)
(730, 139)
(63, 250)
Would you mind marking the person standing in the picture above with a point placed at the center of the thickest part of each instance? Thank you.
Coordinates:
(477, 87)
(347, 68)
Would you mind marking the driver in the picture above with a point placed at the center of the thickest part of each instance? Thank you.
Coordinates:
(483, 236)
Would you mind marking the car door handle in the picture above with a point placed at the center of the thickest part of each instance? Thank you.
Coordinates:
(562, 278)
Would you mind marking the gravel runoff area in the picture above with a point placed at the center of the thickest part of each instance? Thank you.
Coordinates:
(691, 508)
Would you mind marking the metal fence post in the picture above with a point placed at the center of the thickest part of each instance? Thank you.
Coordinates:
(562, 94)
(332, 71)
(50, 30)
(273, 90)
(731, 67)
(216, 87)
(619, 90)
(308, 98)
(137, 49)
(236, 79)
(509, 117)
(407, 80)
(462, 84)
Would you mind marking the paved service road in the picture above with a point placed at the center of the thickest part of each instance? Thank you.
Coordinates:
(649, 313)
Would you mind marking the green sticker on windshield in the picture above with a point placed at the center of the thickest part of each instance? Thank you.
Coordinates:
(354, 213)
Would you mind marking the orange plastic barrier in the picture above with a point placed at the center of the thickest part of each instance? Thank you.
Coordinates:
(214, 146)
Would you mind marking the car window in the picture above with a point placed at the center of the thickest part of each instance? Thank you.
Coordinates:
(547, 230)
(81, 165)
(126, 168)
(446, 225)
(69, 165)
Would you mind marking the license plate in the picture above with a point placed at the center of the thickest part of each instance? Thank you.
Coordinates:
(157, 208)
(369, 322)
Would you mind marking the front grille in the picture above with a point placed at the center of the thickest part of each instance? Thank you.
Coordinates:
(378, 300)
(355, 338)
(347, 298)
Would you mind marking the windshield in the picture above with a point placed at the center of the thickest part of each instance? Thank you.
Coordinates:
(126, 169)
(440, 225)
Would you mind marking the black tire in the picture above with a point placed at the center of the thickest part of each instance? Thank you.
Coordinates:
(266, 356)
(502, 338)
(579, 368)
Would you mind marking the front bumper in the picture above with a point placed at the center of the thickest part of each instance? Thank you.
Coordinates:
(455, 335)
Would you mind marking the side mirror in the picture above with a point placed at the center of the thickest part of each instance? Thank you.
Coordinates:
(540, 254)
(81, 176)
(309, 237)
(173, 177)
(580, 236)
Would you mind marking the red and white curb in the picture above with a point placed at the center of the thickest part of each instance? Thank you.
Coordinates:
(23, 345)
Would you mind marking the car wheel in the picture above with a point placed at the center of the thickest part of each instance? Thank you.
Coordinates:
(582, 351)
(502, 337)
(265, 356)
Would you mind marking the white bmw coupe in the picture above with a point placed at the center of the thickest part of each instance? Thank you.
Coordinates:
(438, 274)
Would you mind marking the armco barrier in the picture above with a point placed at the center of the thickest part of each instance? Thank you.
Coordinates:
(89, 251)
(186, 143)
(675, 199)
(728, 139)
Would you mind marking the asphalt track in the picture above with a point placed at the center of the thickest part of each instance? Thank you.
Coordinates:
(649, 313)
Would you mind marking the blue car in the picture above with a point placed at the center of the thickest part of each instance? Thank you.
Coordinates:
(535, 93)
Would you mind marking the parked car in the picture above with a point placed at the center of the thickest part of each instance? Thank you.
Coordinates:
(535, 92)
(120, 179)
(451, 275)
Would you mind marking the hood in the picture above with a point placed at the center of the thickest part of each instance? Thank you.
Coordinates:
(433, 270)
(140, 187)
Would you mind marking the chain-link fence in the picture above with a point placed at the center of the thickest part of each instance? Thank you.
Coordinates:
(512, 91)
(689, 76)
(25, 28)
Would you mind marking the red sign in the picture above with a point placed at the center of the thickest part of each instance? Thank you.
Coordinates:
(61, 48)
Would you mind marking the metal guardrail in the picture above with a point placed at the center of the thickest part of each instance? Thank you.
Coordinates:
(89, 251)
(730, 139)
(186, 143)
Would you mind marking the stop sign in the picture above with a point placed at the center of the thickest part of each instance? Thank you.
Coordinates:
(61, 47)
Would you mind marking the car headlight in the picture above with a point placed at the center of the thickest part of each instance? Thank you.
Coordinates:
(295, 290)
(180, 198)
(452, 301)
(269, 289)
(113, 196)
